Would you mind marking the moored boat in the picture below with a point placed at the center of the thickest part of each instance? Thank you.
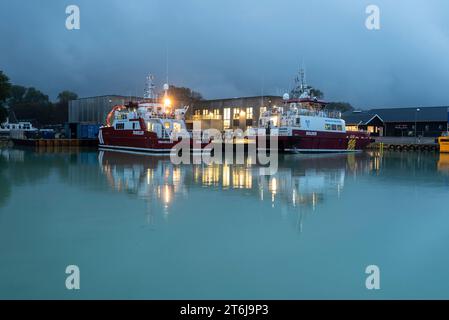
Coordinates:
(151, 126)
(24, 126)
(303, 125)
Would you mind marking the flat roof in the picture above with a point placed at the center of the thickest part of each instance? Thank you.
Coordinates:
(408, 114)
(109, 95)
(239, 98)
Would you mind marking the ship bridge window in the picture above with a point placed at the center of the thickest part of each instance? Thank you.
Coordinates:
(339, 127)
(327, 126)
(297, 121)
(334, 127)
(119, 126)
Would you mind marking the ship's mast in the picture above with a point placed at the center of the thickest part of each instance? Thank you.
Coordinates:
(301, 86)
(150, 88)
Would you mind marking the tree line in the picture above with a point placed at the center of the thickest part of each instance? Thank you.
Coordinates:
(31, 104)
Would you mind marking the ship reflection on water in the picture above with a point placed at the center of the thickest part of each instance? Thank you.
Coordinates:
(300, 184)
(223, 231)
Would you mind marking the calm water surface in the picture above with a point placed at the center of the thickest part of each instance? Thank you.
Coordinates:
(140, 227)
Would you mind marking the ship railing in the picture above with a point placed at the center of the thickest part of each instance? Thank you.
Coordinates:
(319, 113)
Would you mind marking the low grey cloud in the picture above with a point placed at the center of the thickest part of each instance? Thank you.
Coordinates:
(232, 48)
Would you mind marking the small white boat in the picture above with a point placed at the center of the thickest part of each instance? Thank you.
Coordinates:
(7, 127)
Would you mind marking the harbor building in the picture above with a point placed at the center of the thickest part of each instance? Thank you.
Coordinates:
(92, 111)
(244, 113)
(231, 113)
(221, 114)
(400, 122)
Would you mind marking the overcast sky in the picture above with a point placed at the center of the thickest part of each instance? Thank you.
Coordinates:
(230, 48)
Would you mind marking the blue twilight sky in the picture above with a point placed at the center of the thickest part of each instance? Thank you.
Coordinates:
(229, 48)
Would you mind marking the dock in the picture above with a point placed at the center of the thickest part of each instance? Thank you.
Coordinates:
(45, 143)
(428, 144)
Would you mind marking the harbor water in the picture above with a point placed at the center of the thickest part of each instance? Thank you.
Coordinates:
(140, 227)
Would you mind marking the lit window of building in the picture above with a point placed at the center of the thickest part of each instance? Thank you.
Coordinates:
(249, 113)
(227, 118)
(236, 113)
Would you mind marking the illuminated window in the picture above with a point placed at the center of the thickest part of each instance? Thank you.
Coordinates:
(236, 113)
(227, 114)
(205, 112)
(352, 128)
(263, 110)
(249, 113)
(226, 118)
(167, 125)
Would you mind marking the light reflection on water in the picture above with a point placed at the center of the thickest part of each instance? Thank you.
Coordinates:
(223, 231)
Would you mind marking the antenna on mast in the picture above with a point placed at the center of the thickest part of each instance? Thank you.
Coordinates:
(150, 88)
(166, 64)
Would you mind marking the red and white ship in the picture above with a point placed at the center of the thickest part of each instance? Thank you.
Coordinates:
(302, 125)
(147, 127)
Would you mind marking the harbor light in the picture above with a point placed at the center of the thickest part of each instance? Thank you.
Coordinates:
(167, 102)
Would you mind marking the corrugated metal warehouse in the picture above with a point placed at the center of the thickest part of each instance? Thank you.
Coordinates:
(86, 113)
(95, 109)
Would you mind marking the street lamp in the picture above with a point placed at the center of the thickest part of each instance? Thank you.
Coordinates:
(416, 121)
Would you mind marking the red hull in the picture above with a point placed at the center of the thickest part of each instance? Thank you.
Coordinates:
(138, 140)
(316, 141)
